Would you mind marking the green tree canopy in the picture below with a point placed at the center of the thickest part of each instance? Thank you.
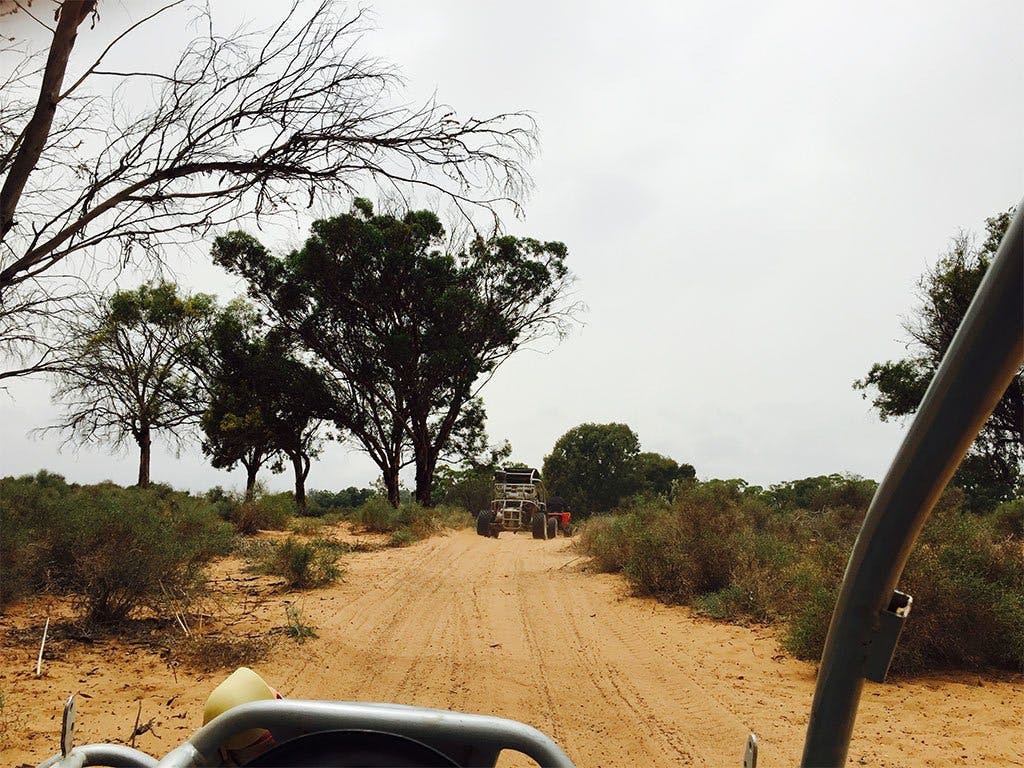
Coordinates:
(409, 330)
(265, 404)
(822, 493)
(991, 471)
(659, 473)
(131, 367)
(593, 467)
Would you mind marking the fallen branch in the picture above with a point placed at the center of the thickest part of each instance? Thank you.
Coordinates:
(42, 645)
(135, 728)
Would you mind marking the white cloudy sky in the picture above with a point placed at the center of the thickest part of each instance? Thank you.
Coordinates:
(748, 192)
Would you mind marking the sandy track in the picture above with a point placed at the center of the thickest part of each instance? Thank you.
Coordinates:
(513, 627)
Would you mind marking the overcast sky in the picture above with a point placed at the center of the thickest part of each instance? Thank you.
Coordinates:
(748, 192)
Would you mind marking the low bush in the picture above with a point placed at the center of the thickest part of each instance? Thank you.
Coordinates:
(740, 554)
(968, 588)
(683, 549)
(378, 516)
(269, 512)
(303, 565)
(306, 526)
(27, 506)
(296, 627)
(608, 539)
(403, 537)
(223, 501)
(115, 549)
(424, 522)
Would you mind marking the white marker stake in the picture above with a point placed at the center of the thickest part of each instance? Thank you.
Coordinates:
(39, 661)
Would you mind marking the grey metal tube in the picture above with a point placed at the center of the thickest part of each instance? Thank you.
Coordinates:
(111, 755)
(982, 359)
(414, 722)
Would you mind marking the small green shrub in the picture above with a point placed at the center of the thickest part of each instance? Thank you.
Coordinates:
(403, 537)
(692, 546)
(305, 526)
(334, 518)
(223, 501)
(27, 507)
(115, 549)
(266, 513)
(304, 565)
(424, 522)
(377, 515)
(807, 627)
(732, 603)
(295, 627)
(607, 540)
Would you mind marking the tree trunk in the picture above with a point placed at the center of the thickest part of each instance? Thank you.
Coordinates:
(391, 485)
(425, 467)
(145, 446)
(72, 14)
(300, 463)
(250, 480)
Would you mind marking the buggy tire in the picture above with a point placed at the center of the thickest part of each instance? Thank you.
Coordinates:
(538, 526)
(552, 528)
(483, 523)
(567, 530)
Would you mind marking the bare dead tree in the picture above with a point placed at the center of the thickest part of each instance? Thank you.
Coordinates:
(243, 125)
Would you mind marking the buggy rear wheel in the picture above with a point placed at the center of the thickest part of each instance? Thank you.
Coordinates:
(483, 523)
(552, 528)
(538, 526)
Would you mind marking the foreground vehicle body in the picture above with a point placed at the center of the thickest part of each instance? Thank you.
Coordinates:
(985, 354)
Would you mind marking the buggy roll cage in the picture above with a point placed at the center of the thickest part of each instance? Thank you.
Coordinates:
(982, 359)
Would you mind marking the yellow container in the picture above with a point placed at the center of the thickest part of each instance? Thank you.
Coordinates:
(242, 686)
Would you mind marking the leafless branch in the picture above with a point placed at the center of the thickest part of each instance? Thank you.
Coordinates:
(246, 125)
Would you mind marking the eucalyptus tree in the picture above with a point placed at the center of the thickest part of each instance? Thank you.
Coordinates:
(594, 466)
(410, 330)
(992, 470)
(132, 367)
(265, 405)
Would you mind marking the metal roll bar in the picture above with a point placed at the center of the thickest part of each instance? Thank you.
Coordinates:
(982, 359)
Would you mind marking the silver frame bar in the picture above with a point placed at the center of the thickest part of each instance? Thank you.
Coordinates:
(985, 354)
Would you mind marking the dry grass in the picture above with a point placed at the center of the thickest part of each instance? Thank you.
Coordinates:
(216, 651)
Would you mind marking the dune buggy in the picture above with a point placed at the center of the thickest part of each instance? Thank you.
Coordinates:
(520, 503)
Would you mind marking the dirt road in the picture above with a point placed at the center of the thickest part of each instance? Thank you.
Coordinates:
(513, 627)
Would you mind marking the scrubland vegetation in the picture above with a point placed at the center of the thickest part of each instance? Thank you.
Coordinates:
(118, 552)
(741, 553)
